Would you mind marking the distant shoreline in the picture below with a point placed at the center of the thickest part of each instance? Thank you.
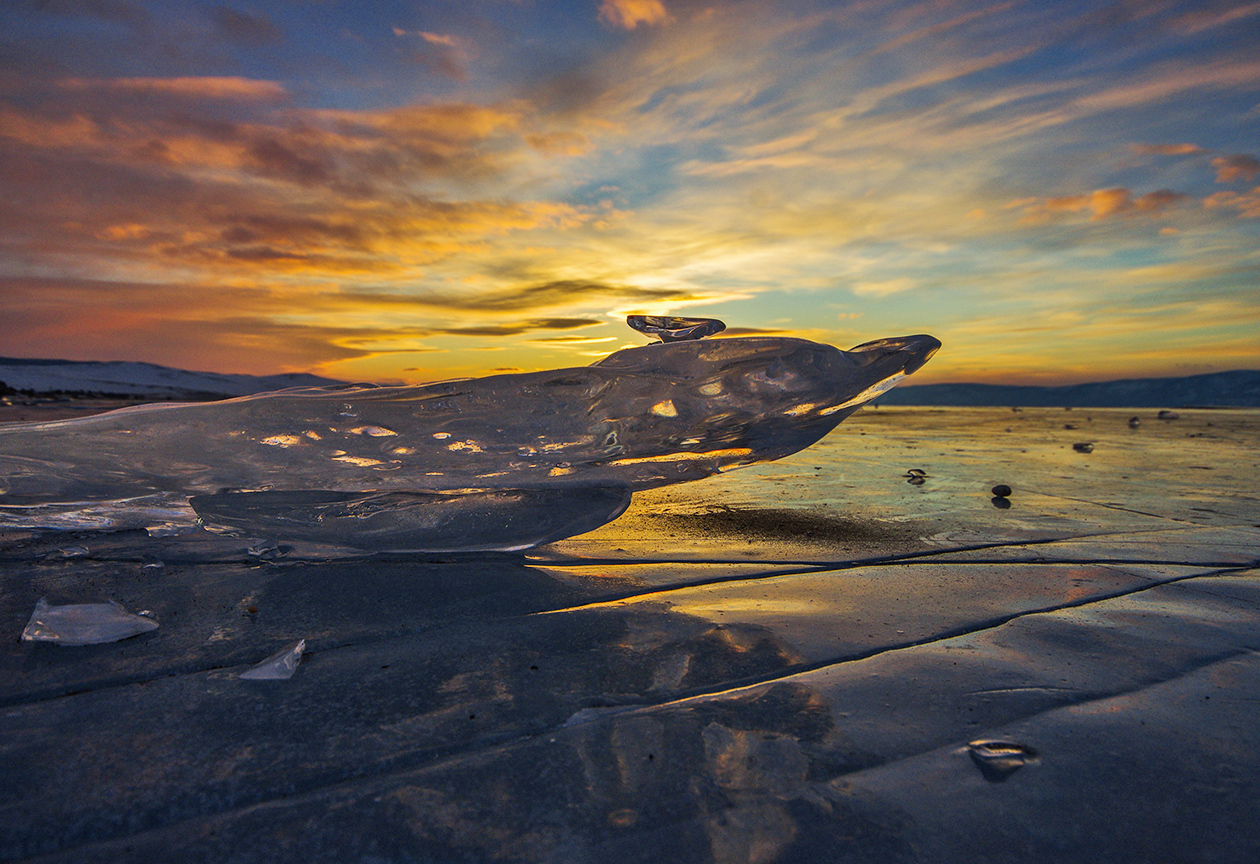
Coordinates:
(1239, 388)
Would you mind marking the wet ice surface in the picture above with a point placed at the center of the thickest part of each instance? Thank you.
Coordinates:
(791, 663)
(504, 462)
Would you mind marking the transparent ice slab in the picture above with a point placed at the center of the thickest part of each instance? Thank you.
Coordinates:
(534, 456)
(669, 329)
(84, 624)
(279, 666)
(497, 519)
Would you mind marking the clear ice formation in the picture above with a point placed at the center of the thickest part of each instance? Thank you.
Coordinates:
(279, 666)
(84, 624)
(669, 329)
(505, 462)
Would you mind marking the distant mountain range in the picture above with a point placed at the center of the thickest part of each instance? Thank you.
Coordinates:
(1240, 388)
(1237, 389)
(143, 380)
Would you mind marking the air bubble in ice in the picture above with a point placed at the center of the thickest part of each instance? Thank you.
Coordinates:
(85, 623)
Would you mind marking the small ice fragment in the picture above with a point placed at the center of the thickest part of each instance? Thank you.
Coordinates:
(74, 552)
(84, 623)
(669, 329)
(279, 666)
(998, 760)
(373, 431)
(265, 550)
(171, 529)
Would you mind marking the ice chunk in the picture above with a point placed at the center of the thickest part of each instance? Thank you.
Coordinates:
(501, 462)
(84, 623)
(998, 760)
(675, 329)
(279, 666)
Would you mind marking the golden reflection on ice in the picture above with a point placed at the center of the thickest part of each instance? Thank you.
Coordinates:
(282, 441)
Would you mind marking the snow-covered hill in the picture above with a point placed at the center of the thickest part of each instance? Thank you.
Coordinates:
(146, 380)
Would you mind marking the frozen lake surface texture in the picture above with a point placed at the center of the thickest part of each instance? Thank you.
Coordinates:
(858, 652)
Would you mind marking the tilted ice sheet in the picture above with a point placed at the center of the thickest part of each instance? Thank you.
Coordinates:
(84, 624)
(279, 666)
(642, 417)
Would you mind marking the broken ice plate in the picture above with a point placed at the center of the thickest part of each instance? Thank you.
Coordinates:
(279, 666)
(84, 623)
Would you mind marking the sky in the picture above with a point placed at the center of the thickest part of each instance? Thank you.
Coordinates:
(412, 191)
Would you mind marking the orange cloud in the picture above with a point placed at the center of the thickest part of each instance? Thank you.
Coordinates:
(149, 184)
(1104, 203)
(201, 87)
(1167, 149)
(1238, 167)
(629, 14)
(1247, 204)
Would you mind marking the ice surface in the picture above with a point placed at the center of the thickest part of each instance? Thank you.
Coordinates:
(279, 666)
(84, 624)
(502, 462)
(495, 519)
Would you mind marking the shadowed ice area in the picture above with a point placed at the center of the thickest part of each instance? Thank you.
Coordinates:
(503, 462)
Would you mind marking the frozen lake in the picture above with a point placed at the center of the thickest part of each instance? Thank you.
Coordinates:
(786, 663)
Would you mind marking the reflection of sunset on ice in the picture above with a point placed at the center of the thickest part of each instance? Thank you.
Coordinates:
(393, 193)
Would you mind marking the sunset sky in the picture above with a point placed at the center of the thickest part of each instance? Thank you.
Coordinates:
(409, 191)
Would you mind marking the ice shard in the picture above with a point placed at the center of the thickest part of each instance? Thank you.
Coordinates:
(501, 462)
(279, 666)
(84, 624)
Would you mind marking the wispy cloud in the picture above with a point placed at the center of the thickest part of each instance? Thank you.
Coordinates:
(1105, 203)
(250, 28)
(1167, 149)
(1235, 168)
(1246, 203)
